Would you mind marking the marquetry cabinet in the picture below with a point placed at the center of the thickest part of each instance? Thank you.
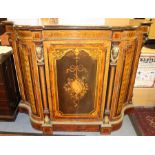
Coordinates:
(75, 78)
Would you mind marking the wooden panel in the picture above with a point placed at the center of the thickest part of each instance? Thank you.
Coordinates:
(96, 52)
(24, 35)
(4, 110)
(9, 93)
(36, 82)
(11, 81)
(1, 76)
(4, 103)
(110, 87)
(84, 128)
(76, 34)
(129, 53)
(118, 79)
(135, 64)
(2, 86)
(43, 87)
(3, 95)
(17, 60)
(26, 71)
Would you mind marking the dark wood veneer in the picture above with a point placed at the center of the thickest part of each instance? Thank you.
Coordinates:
(9, 93)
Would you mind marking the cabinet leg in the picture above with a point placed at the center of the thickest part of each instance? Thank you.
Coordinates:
(47, 130)
(106, 126)
(105, 130)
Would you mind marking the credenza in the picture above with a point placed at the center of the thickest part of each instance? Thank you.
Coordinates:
(75, 78)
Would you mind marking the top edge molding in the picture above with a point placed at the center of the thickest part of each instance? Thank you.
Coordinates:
(68, 27)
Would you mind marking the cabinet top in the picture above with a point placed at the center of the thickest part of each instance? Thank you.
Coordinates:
(74, 27)
(69, 27)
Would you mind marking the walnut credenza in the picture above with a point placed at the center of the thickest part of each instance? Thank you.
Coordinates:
(75, 78)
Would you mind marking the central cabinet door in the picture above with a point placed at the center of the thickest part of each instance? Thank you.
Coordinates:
(76, 75)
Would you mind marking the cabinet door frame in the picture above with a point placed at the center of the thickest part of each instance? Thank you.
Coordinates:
(102, 76)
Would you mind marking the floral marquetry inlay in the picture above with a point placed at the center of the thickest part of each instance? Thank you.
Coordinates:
(59, 53)
(76, 87)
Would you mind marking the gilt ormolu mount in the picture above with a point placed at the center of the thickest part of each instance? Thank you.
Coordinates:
(76, 78)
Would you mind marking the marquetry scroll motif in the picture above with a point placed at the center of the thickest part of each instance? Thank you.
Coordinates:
(76, 87)
(59, 53)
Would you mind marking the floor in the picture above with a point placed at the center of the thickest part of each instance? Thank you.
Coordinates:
(22, 125)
